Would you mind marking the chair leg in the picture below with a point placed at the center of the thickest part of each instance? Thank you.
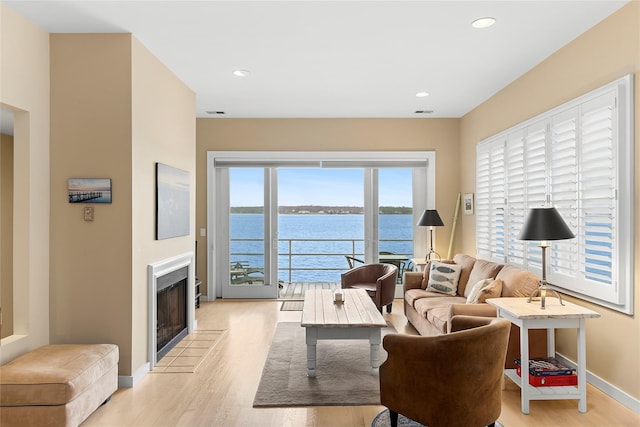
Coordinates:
(389, 308)
(393, 418)
(380, 310)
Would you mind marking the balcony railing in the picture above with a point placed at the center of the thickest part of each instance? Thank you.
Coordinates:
(313, 260)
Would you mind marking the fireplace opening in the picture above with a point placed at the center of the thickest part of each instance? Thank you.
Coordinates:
(171, 310)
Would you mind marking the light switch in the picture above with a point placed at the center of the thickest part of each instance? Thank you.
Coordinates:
(88, 213)
(203, 232)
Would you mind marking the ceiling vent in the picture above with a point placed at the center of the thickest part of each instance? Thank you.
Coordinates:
(215, 112)
(424, 111)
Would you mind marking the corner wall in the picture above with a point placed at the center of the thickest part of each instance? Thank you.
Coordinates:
(164, 130)
(608, 51)
(91, 268)
(24, 88)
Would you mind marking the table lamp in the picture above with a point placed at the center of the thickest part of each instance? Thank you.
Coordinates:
(544, 224)
(430, 218)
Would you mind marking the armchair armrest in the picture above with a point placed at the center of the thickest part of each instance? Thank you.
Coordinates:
(411, 280)
(480, 310)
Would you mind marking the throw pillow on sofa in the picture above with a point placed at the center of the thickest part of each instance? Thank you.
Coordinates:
(493, 290)
(443, 277)
(472, 298)
(427, 271)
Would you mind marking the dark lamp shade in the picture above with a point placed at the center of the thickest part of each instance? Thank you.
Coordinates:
(430, 217)
(545, 224)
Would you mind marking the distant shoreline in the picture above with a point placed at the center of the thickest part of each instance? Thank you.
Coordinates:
(322, 210)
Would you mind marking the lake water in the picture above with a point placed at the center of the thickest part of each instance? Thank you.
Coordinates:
(326, 239)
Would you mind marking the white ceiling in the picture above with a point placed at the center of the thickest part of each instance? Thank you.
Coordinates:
(335, 58)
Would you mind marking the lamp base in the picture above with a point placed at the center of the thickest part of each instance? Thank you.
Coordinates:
(543, 289)
(432, 256)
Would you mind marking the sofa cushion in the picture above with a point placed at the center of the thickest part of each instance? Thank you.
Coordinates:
(423, 305)
(517, 282)
(412, 295)
(472, 297)
(443, 277)
(493, 290)
(427, 270)
(467, 263)
(483, 269)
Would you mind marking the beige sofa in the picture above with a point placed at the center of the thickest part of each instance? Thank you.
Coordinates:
(431, 312)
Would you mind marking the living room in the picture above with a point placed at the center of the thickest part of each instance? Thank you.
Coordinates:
(122, 138)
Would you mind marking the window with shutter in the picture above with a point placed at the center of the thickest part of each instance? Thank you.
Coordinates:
(579, 158)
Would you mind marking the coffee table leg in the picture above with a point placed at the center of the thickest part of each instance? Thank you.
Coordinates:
(374, 340)
(312, 340)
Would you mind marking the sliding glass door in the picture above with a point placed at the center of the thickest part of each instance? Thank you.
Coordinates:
(274, 223)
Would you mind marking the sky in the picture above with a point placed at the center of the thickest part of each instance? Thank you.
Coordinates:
(315, 186)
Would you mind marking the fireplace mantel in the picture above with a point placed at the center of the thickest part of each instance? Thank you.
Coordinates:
(159, 269)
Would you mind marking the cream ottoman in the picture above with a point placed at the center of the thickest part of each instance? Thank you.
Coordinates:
(57, 384)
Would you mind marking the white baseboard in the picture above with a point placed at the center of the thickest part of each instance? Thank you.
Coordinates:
(606, 387)
(128, 381)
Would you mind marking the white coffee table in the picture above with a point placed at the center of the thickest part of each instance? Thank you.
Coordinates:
(356, 318)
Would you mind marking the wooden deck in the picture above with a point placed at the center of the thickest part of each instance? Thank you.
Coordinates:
(295, 291)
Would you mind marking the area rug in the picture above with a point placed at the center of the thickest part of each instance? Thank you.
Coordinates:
(382, 420)
(190, 352)
(343, 372)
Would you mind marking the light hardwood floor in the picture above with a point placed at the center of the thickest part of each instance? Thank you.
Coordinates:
(221, 392)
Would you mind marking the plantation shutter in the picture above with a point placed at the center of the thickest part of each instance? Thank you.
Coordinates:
(516, 197)
(490, 192)
(564, 190)
(578, 158)
(597, 226)
(535, 183)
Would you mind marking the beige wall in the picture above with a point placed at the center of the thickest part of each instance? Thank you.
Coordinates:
(440, 135)
(603, 54)
(24, 88)
(6, 234)
(91, 269)
(116, 110)
(164, 130)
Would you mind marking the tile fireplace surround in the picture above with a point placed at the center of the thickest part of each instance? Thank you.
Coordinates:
(159, 269)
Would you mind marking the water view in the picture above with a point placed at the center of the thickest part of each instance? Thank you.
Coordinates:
(312, 247)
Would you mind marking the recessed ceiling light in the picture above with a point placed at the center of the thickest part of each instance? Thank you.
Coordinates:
(241, 73)
(422, 94)
(483, 22)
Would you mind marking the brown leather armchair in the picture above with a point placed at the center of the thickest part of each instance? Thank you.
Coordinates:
(379, 280)
(452, 380)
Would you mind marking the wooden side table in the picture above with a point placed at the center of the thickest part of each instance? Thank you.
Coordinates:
(531, 316)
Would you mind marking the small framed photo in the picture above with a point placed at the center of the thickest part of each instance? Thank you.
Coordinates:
(467, 202)
(89, 190)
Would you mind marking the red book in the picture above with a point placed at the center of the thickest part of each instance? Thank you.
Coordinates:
(550, 380)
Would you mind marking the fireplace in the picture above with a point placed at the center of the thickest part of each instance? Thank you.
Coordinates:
(171, 307)
(171, 310)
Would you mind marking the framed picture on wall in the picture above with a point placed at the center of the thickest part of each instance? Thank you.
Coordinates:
(89, 190)
(467, 202)
(172, 202)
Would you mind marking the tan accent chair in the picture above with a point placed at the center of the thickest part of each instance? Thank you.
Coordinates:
(379, 280)
(452, 380)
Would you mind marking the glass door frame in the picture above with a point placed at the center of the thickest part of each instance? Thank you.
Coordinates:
(218, 162)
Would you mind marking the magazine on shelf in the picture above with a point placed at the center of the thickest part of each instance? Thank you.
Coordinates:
(547, 366)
